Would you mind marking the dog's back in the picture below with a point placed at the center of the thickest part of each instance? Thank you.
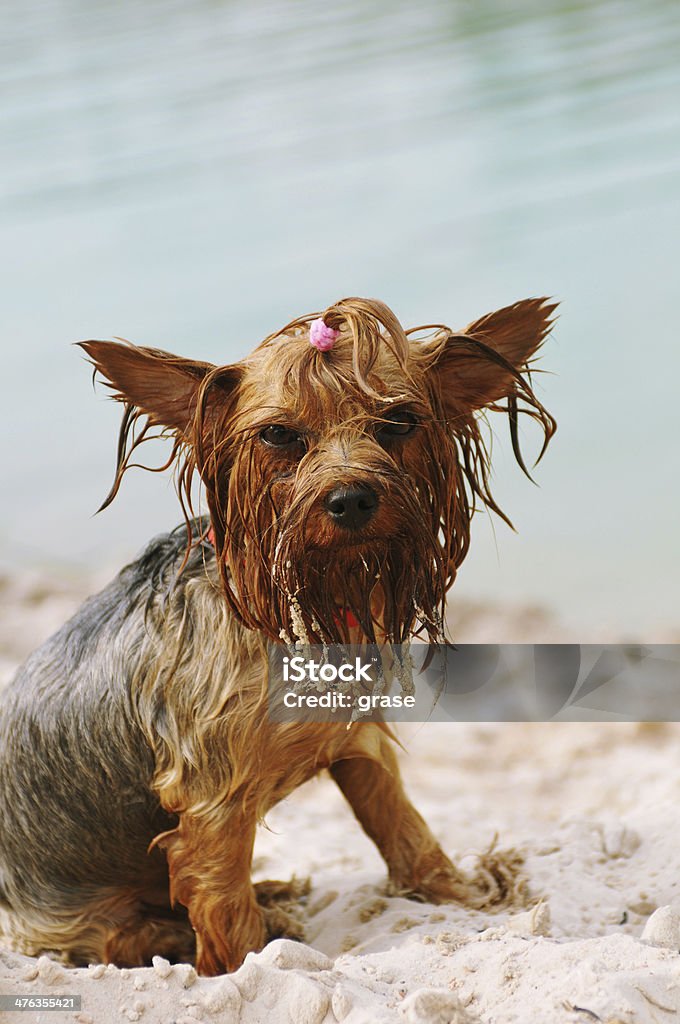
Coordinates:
(75, 765)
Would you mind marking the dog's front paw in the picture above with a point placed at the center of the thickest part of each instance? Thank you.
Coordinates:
(496, 881)
(225, 934)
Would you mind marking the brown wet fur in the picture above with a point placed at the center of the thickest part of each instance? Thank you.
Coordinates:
(283, 569)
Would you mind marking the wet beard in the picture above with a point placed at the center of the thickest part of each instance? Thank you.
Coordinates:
(375, 592)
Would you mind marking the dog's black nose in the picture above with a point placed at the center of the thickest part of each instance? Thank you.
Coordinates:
(352, 505)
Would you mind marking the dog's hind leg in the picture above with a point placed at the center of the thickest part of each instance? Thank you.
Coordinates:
(416, 863)
(115, 926)
(148, 933)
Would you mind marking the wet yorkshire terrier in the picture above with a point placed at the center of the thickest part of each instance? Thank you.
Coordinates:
(341, 463)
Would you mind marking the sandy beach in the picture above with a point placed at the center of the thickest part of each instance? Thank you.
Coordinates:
(194, 176)
(594, 934)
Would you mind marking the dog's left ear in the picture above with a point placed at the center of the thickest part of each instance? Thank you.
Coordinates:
(480, 365)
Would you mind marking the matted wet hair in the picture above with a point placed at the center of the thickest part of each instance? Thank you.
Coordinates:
(275, 579)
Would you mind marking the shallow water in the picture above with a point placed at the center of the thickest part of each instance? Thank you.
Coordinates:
(192, 175)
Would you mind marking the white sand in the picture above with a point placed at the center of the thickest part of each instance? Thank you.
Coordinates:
(594, 808)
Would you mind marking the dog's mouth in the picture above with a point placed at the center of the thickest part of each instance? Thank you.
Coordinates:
(343, 548)
(374, 588)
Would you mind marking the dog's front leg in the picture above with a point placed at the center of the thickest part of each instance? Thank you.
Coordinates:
(209, 861)
(416, 863)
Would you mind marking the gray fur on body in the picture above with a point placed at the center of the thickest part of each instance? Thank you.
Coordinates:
(77, 811)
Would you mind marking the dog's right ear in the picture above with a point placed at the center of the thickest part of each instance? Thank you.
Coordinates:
(158, 384)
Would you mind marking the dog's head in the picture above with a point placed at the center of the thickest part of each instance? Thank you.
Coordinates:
(340, 482)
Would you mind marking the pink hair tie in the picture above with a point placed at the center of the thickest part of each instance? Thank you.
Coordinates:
(322, 336)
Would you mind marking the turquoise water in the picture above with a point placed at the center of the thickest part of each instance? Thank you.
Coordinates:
(192, 175)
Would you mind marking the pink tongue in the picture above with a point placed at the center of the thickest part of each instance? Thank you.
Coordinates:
(346, 615)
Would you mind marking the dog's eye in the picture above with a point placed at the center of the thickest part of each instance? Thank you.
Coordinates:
(277, 436)
(396, 424)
